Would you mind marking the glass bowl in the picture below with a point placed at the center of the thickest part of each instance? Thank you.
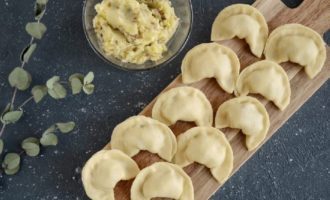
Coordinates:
(183, 9)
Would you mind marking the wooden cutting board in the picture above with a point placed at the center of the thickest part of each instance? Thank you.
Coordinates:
(312, 13)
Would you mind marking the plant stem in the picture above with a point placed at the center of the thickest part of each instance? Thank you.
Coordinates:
(31, 41)
(15, 90)
(25, 102)
(13, 97)
(2, 129)
(20, 153)
(12, 101)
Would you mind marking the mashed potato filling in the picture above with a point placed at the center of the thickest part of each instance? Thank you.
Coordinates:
(135, 31)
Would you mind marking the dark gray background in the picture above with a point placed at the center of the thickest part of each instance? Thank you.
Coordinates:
(294, 164)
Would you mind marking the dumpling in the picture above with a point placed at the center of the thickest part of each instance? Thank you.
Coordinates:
(164, 180)
(207, 146)
(104, 170)
(185, 104)
(243, 21)
(211, 60)
(268, 79)
(143, 133)
(245, 113)
(298, 44)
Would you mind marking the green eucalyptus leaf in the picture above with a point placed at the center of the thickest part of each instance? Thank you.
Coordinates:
(50, 82)
(76, 82)
(66, 127)
(36, 29)
(48, 139)
(12, 171)
(58, 91)
(76, 85)
(27, 52)
(42, 2)
(89, 89)
(89, 78)
(39, 92)
(51, 129)
(11, 117)
(20, 78)
(1, 146)
(30, 140)
(31, 148)
(77, 75)
(8, 107)
(55, 89)
(11, 161)
(40, 9)
(53, 94)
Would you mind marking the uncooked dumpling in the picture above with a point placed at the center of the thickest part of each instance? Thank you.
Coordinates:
(143, 133)
(211, 60)
(268, 79)
(164, 180)
(207, 146)
(104, 170)
(245, 113)
(185, 104)
(298, 44)
(243, 21)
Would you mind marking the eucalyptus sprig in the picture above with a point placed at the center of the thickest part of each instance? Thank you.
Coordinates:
(53, 87)
(20, 79)
(31, 146)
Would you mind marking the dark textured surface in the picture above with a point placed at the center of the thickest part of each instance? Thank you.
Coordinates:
(294, 164)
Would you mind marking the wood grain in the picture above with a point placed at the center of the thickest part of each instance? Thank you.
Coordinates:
(312, 13)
